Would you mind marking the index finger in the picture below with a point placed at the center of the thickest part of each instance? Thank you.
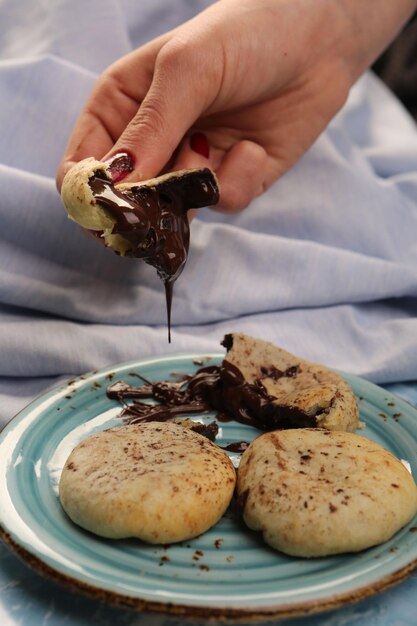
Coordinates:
(103, 119)
(112, 104)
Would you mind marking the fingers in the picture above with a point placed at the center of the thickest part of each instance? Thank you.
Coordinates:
(242, 171)
(242, 176)
(194, 152)
(89, 138)
(112, 104)
(174, 102)
(107, 112)
(145, 105)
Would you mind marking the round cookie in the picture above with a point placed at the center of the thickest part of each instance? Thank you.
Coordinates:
(315, 492)
(159, 482)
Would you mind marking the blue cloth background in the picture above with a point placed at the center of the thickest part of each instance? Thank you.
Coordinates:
(324, 264)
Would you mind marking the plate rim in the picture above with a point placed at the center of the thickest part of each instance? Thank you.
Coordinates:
(221, 614)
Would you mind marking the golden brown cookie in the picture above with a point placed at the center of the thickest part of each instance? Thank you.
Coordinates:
(321, 397)
(315, 492)
(159, 482)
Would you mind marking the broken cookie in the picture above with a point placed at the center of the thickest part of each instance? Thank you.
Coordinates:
(145, 220)
(281, 390)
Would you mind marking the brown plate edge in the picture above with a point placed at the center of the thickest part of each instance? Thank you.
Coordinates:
(206, 614)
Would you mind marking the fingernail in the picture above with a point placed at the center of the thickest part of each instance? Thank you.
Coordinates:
(200, 144)
(120, 165)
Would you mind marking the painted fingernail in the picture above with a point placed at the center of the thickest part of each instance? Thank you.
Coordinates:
(200, 144)
(120, 165)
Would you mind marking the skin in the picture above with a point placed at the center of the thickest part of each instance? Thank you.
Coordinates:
(261, 78)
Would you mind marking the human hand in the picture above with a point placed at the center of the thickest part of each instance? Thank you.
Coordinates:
(244, 88)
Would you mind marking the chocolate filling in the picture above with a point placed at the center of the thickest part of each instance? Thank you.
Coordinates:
(152, 218)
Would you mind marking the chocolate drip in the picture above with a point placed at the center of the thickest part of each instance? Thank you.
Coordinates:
(152, 219)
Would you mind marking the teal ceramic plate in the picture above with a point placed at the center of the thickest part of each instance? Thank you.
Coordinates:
(228, 574)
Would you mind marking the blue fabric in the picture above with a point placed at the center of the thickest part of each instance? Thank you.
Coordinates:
(324, 264)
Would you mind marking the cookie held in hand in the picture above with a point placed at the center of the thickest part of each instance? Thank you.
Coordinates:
(315, 492)
(146, 219)
(159, 482)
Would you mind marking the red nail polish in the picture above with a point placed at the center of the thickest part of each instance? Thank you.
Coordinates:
(120, 165)
(200, 144)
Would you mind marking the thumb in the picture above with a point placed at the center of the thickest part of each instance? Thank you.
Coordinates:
(176, 99)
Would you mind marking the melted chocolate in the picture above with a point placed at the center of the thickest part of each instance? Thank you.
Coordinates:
(225, 389)
(236, 446)
(210, 431)
(152, 218)
(275, 373)
(222, 388)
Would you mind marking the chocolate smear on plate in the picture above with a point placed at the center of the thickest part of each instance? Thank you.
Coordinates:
(220, 388)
